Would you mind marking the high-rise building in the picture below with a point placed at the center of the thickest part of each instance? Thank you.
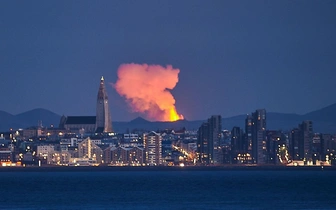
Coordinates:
(208, 141)
(329, 148)
(306, 128)
(153, 148)
(237, 143)
(103, 117)
(248, 134)
(301, 141)
(294, 144)
(317, 148)
(203, 144)
(259, 136)
(215, 125)
(255, 126)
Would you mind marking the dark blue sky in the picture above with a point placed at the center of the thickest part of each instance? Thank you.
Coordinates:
(234, 56)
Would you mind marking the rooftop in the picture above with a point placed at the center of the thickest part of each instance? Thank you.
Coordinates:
(80, 120)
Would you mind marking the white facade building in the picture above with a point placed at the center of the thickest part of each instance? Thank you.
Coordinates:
(153, 148)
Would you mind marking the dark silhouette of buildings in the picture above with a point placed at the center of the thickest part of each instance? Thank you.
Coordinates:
(248, 134)
(300, 141)
(237, 143)
(208, 142)
(259, 136)
(255, 137)
(76, 123)
(203, 144)
(276, 146)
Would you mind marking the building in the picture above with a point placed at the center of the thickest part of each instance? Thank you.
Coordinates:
(124, 156)
(131, 138)
(204, 151)
(276, 144)
(101, 123)
(208, 141)
(300, 141)
(255, 125)
(248, 134)
(294, 144)
(329, 145)
(45, 152)
(31, 132)
(259, 148)
(61, 158)
(69, 142)
(103, 116)
(237, 143)
(118, 156)
(45, 149)
(317, 148)
(215, 125)
(107, 154)
(306, 134)
(78, 123)
(153, 148)
(6, 157)
(136, 156)
(88, 149)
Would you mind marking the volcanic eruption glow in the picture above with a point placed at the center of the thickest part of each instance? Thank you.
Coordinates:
(147, 90)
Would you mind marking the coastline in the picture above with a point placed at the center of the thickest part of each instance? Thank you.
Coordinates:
(164, 168)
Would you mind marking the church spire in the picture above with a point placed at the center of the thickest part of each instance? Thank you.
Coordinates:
(101, 92)
(103, 117)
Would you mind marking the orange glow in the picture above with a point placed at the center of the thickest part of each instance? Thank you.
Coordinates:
(173, 116)
(147, 90)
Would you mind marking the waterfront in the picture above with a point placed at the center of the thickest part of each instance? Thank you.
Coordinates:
(178, 189)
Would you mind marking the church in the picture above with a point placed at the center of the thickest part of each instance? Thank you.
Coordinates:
(101, 123)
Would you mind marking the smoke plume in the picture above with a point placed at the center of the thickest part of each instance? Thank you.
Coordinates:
(147, 90)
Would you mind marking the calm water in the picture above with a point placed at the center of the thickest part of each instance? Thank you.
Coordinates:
(168, 190)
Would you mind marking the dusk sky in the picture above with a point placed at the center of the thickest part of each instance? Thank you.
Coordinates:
(233, 56)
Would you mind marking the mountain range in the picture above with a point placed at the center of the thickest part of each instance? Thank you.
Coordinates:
(324, 121)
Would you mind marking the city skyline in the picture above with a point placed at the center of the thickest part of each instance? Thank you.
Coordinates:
(235, 56)
(210, 145)
(190, 104)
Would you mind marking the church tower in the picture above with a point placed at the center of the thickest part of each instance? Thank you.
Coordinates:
(103, 117)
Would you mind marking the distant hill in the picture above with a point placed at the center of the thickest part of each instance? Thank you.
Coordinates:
(5, 115)
(27, 119)
(324, 121)
(139, 120)
(327, 114)
(34, 116)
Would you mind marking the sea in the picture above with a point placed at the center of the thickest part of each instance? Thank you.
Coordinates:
(181, 189)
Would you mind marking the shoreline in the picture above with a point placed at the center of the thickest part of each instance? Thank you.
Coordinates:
(163, 168)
